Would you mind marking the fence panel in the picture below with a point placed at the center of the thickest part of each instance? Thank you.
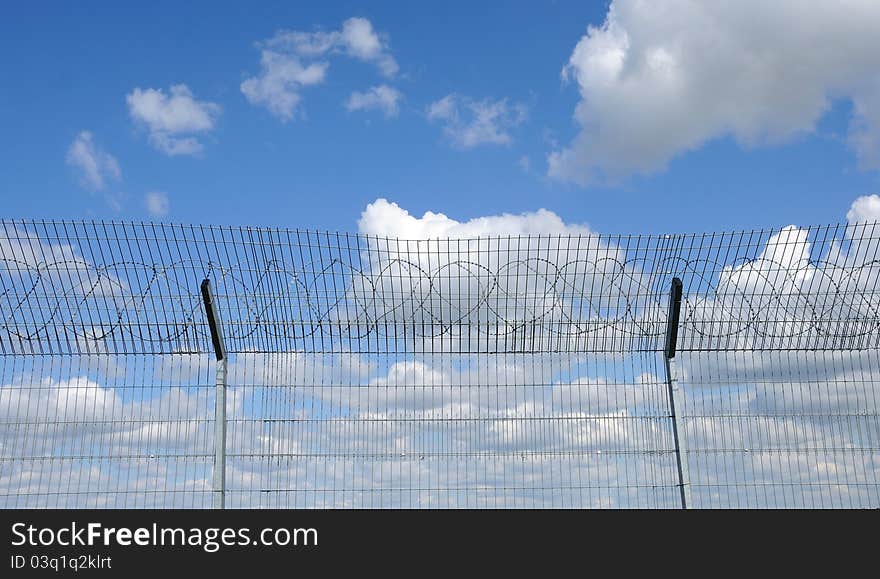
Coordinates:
(522, 371)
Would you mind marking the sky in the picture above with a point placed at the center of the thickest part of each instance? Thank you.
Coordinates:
(626, 117)
(462, 120)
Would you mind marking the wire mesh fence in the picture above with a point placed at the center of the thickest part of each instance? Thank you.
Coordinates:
(364, 371)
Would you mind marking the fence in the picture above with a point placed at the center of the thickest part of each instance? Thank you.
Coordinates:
(360, 371)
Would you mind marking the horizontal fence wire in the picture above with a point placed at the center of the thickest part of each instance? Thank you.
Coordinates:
(364, 371)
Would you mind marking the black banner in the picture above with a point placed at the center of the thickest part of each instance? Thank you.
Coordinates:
(272, 543)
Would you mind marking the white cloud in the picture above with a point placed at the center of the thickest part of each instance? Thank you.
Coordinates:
(279, 84)
(173, 120)
(864, 128)
(437, 278)
(381, 97)
(390, 220)
(658, 79)
(864, 209)
(468, 123)
(361, 41)
(94, 166)
(292, 60)
(115, 200)
(157, 203)
(523, 436)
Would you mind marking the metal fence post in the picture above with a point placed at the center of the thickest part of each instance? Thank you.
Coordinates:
(220, 396)
(674, 391)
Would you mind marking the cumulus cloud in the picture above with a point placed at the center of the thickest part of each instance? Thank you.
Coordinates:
(175, 120)
(787, 292)
(388, 219)
(157, 203)
(864, 209)
(292, 60)
(435, 270)
(382, 97)
(95, 167)
(468, 122)
(658, 79)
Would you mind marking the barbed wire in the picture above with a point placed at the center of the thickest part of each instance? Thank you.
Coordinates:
(778, 289)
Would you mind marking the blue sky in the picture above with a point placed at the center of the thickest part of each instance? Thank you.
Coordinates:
(71, 67)
(630, 116)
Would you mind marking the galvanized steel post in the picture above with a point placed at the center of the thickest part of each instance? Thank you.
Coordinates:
(670, 345)
(213, 316)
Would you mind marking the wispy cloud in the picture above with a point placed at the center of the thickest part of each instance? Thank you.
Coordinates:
(157, 203)
(95, 167)
(173, 120)
(292, 60)
(382, 97)
(468, 122)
